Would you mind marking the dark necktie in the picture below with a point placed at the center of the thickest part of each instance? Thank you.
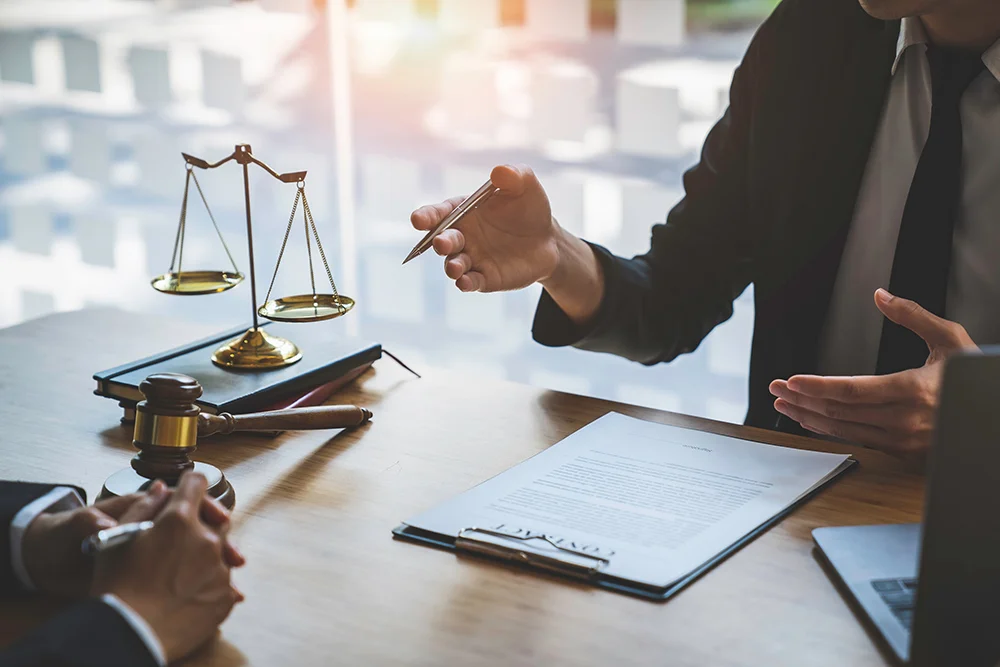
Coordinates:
(920, 268)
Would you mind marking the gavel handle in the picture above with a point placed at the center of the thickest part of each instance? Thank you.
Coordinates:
(293, 419)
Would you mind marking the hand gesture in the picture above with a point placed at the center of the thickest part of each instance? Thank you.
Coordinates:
(895, 412)
(507, 243)
(177, 575)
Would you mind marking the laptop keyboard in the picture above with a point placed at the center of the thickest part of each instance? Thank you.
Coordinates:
(900, 595)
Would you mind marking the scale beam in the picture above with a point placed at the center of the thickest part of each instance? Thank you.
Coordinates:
(245, 157)
(203, 164)
(290, 177)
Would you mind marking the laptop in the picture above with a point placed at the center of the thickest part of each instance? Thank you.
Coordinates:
(931, 591)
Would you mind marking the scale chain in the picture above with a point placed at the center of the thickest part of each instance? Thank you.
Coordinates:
(212, 218)
(179, 239)
(319, 246)
(284, 242)
(309, 252)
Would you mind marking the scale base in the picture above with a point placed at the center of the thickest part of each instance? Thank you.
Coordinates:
(127, 481)
(257, 350)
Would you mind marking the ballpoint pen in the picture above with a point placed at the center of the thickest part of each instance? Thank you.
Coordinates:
(113, 537)
(478, 197)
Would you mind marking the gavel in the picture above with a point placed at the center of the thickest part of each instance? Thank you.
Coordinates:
(169, 421)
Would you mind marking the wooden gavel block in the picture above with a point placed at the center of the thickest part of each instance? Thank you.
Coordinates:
(168, 423)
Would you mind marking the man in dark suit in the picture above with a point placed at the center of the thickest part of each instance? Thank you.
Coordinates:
(859, 151)
(151, 601)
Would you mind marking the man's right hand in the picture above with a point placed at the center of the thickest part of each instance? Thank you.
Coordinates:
(512, 241)
(177, 575)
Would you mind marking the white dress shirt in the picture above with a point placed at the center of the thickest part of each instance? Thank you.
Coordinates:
(850, 338)
(60, 499)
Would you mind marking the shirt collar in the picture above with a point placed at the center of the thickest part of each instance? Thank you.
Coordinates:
(992, 59)
(912, 33)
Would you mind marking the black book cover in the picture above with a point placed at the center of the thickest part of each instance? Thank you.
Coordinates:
(326, 356)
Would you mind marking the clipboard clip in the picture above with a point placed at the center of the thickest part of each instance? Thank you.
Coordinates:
(578, 564)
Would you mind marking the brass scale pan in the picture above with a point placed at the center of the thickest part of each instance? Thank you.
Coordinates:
(299, 308)
(196, 282)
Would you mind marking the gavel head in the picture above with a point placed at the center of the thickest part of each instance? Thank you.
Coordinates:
(166, 426)
(170, 393)
(166, 433)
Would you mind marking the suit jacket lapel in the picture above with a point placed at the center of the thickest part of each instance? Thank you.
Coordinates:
(845, 124)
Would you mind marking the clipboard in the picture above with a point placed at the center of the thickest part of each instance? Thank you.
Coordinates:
(572, 564)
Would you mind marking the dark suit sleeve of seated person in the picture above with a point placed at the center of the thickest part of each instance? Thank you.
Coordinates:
(14, 497)
(88, 634)
(663, 303)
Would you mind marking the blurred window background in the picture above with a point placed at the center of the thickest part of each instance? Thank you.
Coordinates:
(388, 104)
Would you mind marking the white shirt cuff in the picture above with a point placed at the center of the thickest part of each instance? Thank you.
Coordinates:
(140, 626)
(58, 499)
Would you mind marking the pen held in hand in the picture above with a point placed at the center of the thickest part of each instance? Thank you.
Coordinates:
(110, 538)
(485, 191)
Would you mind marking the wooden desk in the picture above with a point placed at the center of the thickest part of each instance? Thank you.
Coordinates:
(325, 582)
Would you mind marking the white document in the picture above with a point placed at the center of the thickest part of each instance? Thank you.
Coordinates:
(654, 502)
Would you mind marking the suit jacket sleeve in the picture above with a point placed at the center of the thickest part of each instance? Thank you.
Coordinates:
(89, 634)
(663, 303)
(13, 497)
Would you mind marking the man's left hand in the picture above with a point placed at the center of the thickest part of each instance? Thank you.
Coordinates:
(894, 413)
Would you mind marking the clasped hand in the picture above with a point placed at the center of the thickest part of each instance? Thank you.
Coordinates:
(176, 576)
(895, 412)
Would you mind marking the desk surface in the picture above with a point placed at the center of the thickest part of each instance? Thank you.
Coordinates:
(326, 584)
